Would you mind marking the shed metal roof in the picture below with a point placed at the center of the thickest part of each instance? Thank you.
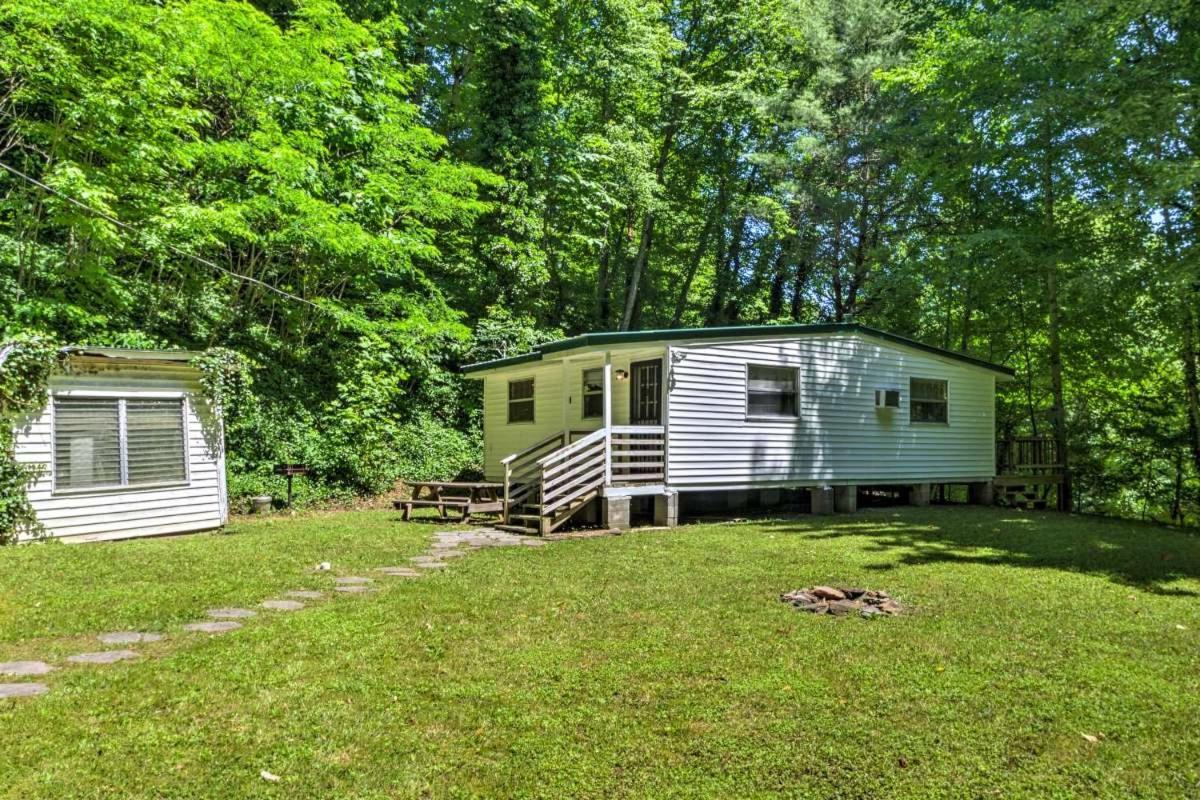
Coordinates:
(132, 354)
(592, 340)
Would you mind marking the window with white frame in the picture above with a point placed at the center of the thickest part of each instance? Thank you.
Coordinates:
(928, 400)
(593, 393)
(771, 391)
(520, 400)
(109, 442)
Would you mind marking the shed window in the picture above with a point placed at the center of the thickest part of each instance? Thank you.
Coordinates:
(771, 391)
(154, 441)
(117, 442)
(520, 400)
(593, 393)
(928, 400)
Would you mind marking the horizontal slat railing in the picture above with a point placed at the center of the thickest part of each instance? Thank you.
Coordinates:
(522, 473)
(573, 471)
(561, 469)
(1027, 454)
(638, 454)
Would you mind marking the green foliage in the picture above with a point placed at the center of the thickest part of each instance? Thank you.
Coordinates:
(26, 363)
(442, 181)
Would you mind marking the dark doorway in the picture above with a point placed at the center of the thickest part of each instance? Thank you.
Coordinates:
(645, 392)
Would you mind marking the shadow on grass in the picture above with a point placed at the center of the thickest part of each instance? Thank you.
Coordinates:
(1146, 557)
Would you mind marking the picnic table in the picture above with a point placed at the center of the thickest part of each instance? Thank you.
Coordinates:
(466, 497)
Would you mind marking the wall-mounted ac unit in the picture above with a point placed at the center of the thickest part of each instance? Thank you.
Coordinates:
(887, 398)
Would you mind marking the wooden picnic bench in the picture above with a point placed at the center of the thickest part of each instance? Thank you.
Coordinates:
(466, 497)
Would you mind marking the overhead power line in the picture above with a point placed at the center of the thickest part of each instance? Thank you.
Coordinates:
(126, 226)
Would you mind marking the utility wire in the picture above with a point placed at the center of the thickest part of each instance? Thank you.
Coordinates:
(171, 247)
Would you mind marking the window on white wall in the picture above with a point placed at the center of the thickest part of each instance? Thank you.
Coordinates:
(771, 391)
(102, 442)
(520, 400)
(154, 441)
(593, 393)
(928, 400)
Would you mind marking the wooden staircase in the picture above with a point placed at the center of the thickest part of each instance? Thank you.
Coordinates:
(1028, 469)
(549, 482)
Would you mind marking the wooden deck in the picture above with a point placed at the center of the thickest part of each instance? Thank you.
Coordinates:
(1029, 472)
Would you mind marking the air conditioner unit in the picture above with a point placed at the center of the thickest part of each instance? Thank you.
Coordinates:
(887, 398)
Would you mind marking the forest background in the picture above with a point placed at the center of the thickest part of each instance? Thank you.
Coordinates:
(387, 189)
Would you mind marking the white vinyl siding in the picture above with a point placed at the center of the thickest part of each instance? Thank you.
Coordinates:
(197, 502)
(838, 434)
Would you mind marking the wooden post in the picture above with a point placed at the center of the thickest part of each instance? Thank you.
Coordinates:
(507, 488)
(608, 399)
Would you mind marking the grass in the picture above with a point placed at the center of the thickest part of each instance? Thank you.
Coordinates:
(656, 664)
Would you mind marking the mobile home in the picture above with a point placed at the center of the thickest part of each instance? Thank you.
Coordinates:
(597, 419)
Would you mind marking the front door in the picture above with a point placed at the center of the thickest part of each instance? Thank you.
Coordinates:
(645, 392)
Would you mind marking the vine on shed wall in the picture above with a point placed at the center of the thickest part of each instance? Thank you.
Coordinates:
(25, 367)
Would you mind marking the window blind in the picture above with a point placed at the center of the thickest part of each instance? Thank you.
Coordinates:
(116, 442)
(154, 441)
(87, 443)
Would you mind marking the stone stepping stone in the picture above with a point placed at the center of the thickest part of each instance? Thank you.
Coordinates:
(534, 543)
(431, 564)
(350, 580)
(22, 689)
(128, 637)
(399, 572)
(229, 613)
(282, 605)
(213, 627)
(24, 668)
(353, 588)
(450, 554)
(102, 657)
(305, 594)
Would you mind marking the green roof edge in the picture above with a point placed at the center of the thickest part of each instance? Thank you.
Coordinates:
(667, 334)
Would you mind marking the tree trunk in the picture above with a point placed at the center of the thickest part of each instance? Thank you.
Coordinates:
(1058, 412)
(1191, 376)
(647, 237)
(693, 268)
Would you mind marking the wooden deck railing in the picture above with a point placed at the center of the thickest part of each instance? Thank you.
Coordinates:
(1027, 454)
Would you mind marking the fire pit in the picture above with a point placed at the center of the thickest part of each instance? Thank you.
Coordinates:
(842, 600)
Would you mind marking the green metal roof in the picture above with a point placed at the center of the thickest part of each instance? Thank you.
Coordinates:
(587, 340)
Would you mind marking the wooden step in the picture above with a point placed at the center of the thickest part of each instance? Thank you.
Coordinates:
(514, 528)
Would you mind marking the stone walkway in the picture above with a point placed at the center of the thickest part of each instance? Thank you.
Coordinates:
(445, 545)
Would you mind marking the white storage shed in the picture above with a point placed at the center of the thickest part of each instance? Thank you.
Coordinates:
(126, 446)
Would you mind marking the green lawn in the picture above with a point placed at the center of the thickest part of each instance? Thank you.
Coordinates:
(655, 664)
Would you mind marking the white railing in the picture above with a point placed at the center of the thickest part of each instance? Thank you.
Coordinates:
(638, 454)
(556, 471)
(572, 471)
